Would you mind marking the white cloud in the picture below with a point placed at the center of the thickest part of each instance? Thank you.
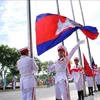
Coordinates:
(15, 19)
(15, 24)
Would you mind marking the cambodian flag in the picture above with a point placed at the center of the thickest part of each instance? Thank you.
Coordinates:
(52, 29)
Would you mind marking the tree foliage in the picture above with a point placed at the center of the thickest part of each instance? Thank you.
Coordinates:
(8, 59)
(42, 65)
(43, 68)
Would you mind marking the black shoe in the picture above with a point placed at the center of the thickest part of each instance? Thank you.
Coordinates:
(58, 99)
(92, 94)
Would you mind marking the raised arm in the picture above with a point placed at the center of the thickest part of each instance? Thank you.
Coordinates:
(34, 66)
(74, 49)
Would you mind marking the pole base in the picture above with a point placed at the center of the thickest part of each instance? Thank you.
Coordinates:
(85, 95)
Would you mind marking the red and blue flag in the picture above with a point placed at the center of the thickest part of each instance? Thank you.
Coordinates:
(52, 29)
(94, 67)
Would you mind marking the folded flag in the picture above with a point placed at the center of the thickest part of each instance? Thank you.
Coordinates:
(87, 69)
(75, 74)
(52, 29)
(76, 69)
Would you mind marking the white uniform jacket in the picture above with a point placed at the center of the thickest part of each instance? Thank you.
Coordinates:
(77, 75)
(26, 67)
(59, 67)
(97, 77)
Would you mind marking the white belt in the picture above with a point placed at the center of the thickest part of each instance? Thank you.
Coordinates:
(60, 71)
(26, 74)
(60, 81)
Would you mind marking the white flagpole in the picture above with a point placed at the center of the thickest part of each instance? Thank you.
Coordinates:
(88, 46)
(29, 28)
(30, 35)
(58, 11)
(79, 51)
(89, 52)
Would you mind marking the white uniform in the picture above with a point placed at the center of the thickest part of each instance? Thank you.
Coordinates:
(97, 79)
(89, 81)
(26, 67)
(60, 78)
(79, 76)
(90, 84)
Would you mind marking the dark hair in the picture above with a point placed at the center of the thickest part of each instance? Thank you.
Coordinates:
(76, 60)
(24, 53)
(61, 50)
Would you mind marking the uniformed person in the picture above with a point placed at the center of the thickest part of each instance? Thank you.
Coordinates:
(27, 67)
(77, 74)
(60, 66)
(89, 80)
(97, 78)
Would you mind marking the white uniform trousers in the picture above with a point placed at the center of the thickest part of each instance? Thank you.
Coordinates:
(28, 94)
(79, 85)
(90, 83)
(97, 79)
(62, 89)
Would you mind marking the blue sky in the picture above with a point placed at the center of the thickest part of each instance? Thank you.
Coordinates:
(13, 24)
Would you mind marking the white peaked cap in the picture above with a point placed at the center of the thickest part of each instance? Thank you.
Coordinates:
(76, 58)
(61, 47)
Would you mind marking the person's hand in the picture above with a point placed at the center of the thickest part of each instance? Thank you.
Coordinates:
(81, 42)
(50, 62)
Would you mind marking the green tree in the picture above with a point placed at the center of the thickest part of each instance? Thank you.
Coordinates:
(39, 63)
(8, 59)
(43, 69)
(44, 66)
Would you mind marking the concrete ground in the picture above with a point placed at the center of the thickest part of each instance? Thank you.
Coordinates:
(45, 93)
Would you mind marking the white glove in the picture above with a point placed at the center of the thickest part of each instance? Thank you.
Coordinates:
(50, 62)
(81, 42)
